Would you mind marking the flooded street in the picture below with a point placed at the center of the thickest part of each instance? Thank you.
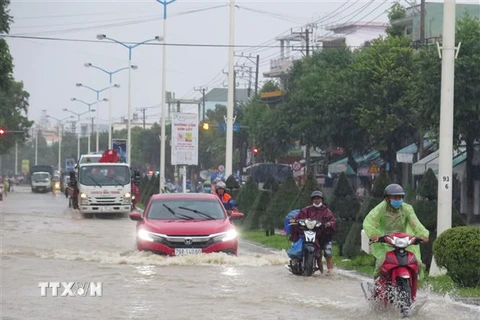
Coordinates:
(43, 241)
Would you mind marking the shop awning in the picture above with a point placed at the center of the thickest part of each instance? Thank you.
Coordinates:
(407, 154)
(363, 161)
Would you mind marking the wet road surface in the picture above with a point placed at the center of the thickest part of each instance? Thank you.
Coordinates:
(44, 241)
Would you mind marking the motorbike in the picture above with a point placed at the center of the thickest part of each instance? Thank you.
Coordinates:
(303, 260)
(56, 187)
(398, 281)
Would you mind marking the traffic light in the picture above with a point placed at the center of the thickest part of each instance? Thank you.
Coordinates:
(205, 126)
(2, 132)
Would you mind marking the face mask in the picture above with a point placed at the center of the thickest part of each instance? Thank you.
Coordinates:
(317, 205)
(396, 203)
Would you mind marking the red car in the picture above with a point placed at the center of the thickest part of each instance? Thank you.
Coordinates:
(181, 224)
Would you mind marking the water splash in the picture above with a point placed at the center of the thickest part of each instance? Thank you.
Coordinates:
(133, 257)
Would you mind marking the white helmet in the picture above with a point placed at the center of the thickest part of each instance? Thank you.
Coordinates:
(220, 185)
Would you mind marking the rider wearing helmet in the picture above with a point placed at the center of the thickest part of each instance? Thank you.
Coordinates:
(226, 199)
(319, 211)
(207, 187)
(393, 215)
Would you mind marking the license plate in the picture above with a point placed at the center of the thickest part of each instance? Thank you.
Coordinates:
(187, 251)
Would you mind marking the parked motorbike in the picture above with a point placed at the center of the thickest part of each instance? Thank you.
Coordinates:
(302, 253)
(398, 281)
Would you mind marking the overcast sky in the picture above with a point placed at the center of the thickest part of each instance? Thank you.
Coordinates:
(50, 69)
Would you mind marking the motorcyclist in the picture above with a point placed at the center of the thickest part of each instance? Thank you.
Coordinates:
(226, 199)
(393, 215)
(319, 211)
(207, 187)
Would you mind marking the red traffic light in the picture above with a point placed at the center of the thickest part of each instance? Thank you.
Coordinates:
(2, 132)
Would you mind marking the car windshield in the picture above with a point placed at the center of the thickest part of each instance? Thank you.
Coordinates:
(41, 176)
(102, 175)
(90, 159)
(184, 208)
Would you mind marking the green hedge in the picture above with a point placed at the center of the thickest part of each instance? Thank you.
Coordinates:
(345, 207)
(457, 250)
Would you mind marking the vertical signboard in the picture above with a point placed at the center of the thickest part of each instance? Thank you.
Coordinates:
(120, 145)
(25, 166)
(184, 139)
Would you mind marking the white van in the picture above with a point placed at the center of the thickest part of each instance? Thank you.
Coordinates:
(41, 181)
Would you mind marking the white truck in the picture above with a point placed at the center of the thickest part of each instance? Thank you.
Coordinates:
(103, 188)
(41, 181)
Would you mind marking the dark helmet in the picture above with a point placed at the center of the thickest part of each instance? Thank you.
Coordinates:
(316, 193)
(393, 190)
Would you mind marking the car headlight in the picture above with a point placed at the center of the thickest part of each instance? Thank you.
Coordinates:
(226, 236)
(127, 195)
(83, 196)
(144, 235)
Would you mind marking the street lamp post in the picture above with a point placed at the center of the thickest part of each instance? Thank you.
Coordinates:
(98, 99)
(89, 105)
(163, 136)
(110, 75)
(130, 48)
(78, 137)
(231, 93)
(60, 134)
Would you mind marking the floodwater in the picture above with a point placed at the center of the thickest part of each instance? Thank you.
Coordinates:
(44, 241)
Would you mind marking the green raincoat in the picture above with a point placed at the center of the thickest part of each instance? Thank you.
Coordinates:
(383, 220)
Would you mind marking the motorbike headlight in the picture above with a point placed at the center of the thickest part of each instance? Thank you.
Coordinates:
(144, 235)
(226, 236)
(133, 197)
(83, 196)
(401, 242)
(301, 222)
(127, 195)
(57, 185)
(310, 224)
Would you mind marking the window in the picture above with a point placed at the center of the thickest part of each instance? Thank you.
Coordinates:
(159, 211)
(99, 175)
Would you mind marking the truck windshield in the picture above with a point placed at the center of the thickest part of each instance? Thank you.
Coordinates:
(104, 175)
(40, 177)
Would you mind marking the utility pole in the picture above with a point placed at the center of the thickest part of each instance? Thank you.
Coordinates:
(202, 90)
(307, 145)
(256, 61)
(445, 163)
(143, 114)
(422, 22)
(256, 73)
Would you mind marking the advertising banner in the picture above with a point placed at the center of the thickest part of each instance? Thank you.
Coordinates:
(184, 139)
(25, 166)
(120, 145)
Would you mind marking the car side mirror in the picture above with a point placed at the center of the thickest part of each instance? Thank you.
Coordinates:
(236, 215)
(136, 216)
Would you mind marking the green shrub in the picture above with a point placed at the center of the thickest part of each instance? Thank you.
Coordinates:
(303, 198)
(278, 207)
(271, 184)
(352, 245)
(254, 217)
(428, 187)
(345, 207)
(457, 250)
(246, 197)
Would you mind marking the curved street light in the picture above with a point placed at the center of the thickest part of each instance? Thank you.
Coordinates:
(130, 48)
